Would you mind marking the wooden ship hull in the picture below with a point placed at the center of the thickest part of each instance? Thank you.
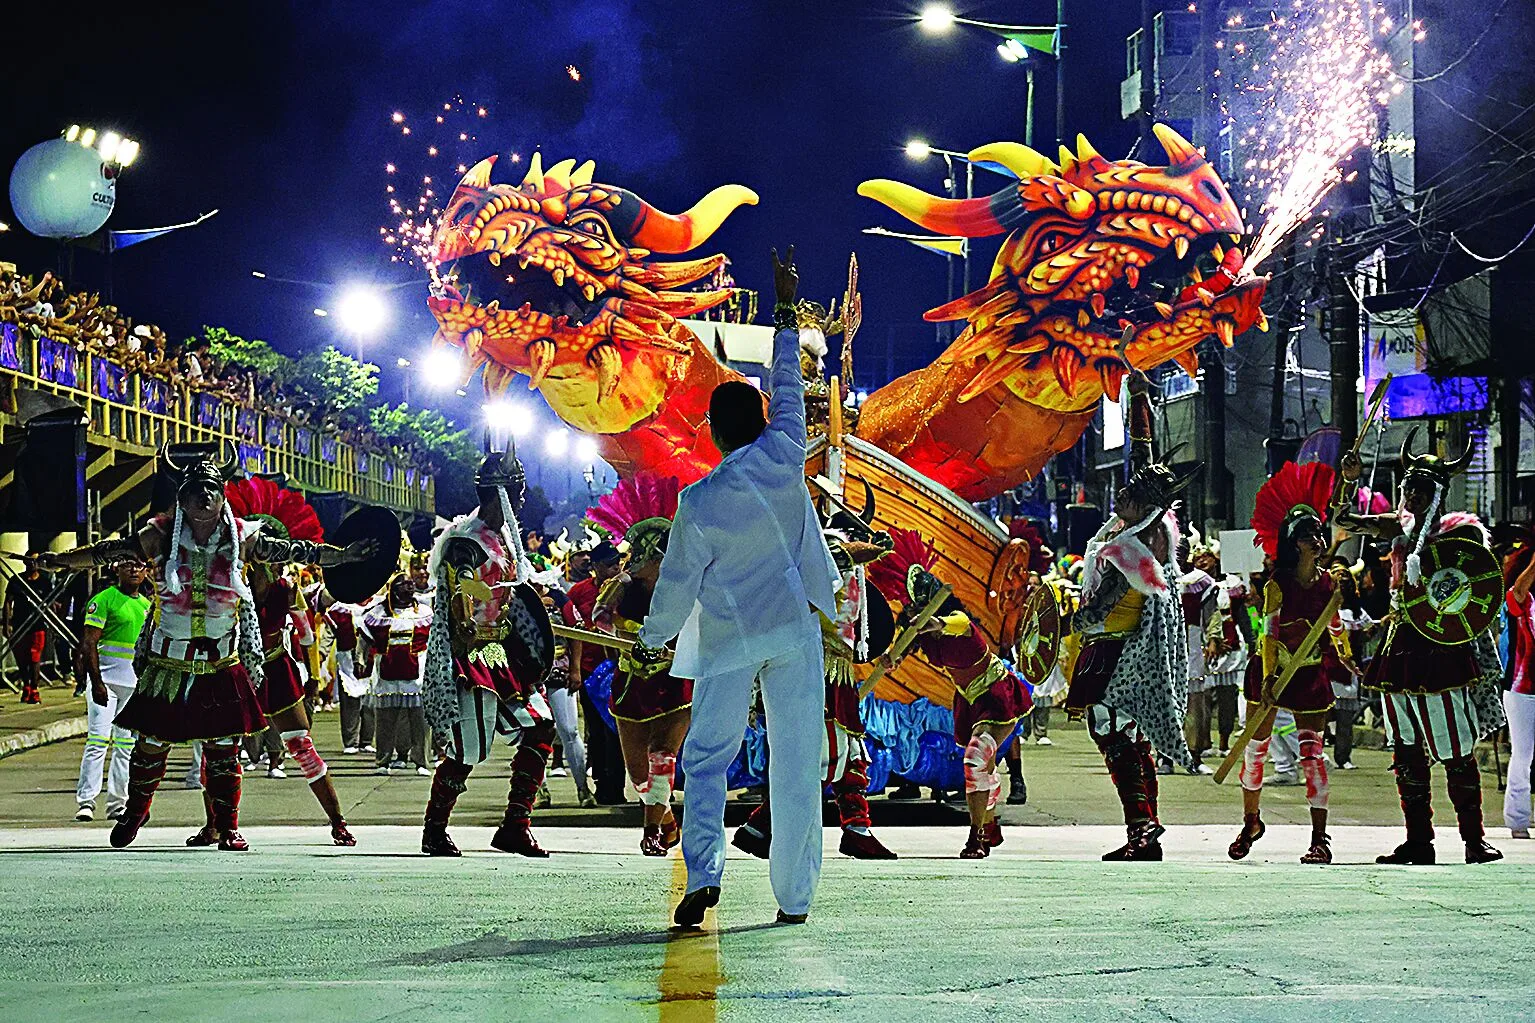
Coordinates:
(973, 552)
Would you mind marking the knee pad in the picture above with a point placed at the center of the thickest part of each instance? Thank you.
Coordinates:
(663, 772)
(1313, 767)
(301, 748)
(981, 764)
(1252, 764)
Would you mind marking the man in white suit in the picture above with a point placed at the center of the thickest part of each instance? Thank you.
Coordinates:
(745, 570)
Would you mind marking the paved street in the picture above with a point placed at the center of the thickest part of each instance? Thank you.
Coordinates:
(1042, 930)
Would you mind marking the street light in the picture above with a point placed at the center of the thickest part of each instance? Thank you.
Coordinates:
(586, 450)
(557, 442)
(441, 367)
(362, 311)
(918, 150)
(937, 19)
(508, 417)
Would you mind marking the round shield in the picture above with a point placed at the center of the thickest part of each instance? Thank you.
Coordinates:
(356, 581)
(1459, 593)
(881, 625)
(1039, 638)
(530, 645)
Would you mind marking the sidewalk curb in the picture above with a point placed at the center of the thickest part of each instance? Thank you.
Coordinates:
(54, 731)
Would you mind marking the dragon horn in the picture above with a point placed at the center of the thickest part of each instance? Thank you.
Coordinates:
(479, 174)
(583, 174)
(557, 178)
(969, 218)
(1016, 157)
(535, 175)
(646, 226)
(1179, 150)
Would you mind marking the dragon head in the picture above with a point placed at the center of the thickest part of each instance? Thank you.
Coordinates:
(550, 278)
(1097, 251)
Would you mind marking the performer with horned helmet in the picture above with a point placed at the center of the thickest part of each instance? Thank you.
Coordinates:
(651, 706)
(488, 651)
(1130, 678)
(1290, 519)
(200, 661)
(1438, 668)
(861, 631)
(989, 698)
(283, 515)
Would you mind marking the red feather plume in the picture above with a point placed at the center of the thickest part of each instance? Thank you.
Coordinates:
(1039, 551)
(888, 573)
(259, 498)
(645, 495)
(1289, 488)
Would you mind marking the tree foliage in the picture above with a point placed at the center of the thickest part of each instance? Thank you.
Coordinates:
(246, 353)
(336, 380)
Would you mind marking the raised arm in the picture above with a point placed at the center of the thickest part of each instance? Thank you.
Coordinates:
(786, 404)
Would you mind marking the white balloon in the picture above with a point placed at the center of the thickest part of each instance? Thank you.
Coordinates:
(61, 189)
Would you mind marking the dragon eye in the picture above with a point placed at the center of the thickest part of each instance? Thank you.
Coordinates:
(1052, 241)
(592, 225)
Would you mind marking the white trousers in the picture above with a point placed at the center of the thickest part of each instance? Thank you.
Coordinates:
(1520, 708)
(794, 696)
(102, 737)
(567, 723)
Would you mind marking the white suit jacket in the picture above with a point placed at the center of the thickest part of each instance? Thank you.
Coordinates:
(746, 560)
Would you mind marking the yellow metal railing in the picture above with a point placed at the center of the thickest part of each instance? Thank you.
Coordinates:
(141, 414)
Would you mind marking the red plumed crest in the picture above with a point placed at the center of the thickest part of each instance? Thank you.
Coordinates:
(888, 573)
(645, 495)
(1039, 551)
(261, 499)
(1293, 486)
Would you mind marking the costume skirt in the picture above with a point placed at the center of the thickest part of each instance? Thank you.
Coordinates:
(646, 699)
(1413, 663)
(1000, 705)
(283, 687)
(1095, 667)
(176, 706)
(500, 679)
(1309, 691)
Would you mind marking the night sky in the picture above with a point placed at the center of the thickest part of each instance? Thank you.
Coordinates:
(280, 117)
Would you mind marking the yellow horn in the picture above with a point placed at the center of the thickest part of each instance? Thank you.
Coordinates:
(1085, 150)
(558, 176)
(535, 175)
(583, 174)
(479, 174)
(1178, 148)
(1016, 157)
(1068, 160)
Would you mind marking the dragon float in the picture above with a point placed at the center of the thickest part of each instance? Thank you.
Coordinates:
(1107, 265)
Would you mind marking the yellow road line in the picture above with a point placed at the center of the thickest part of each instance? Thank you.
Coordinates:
(690, 976)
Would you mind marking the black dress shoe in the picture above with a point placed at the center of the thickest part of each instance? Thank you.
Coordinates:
(690, 911)
(1414, 853)
(435, 842)
(750, 840)
(792, 918)
(1480, 852)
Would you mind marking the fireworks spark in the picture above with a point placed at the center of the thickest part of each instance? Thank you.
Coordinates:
(443, 141)
(1309, 98)
(574, 72)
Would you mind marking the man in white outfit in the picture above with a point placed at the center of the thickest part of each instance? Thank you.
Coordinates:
(113, 620)
(745, 570)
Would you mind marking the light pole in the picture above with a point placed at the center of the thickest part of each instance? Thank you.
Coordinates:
(917, 149)
(1017, 41)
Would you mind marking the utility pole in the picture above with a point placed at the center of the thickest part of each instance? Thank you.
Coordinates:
(1147, 58)
(1060, 72)
(1217, 479)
